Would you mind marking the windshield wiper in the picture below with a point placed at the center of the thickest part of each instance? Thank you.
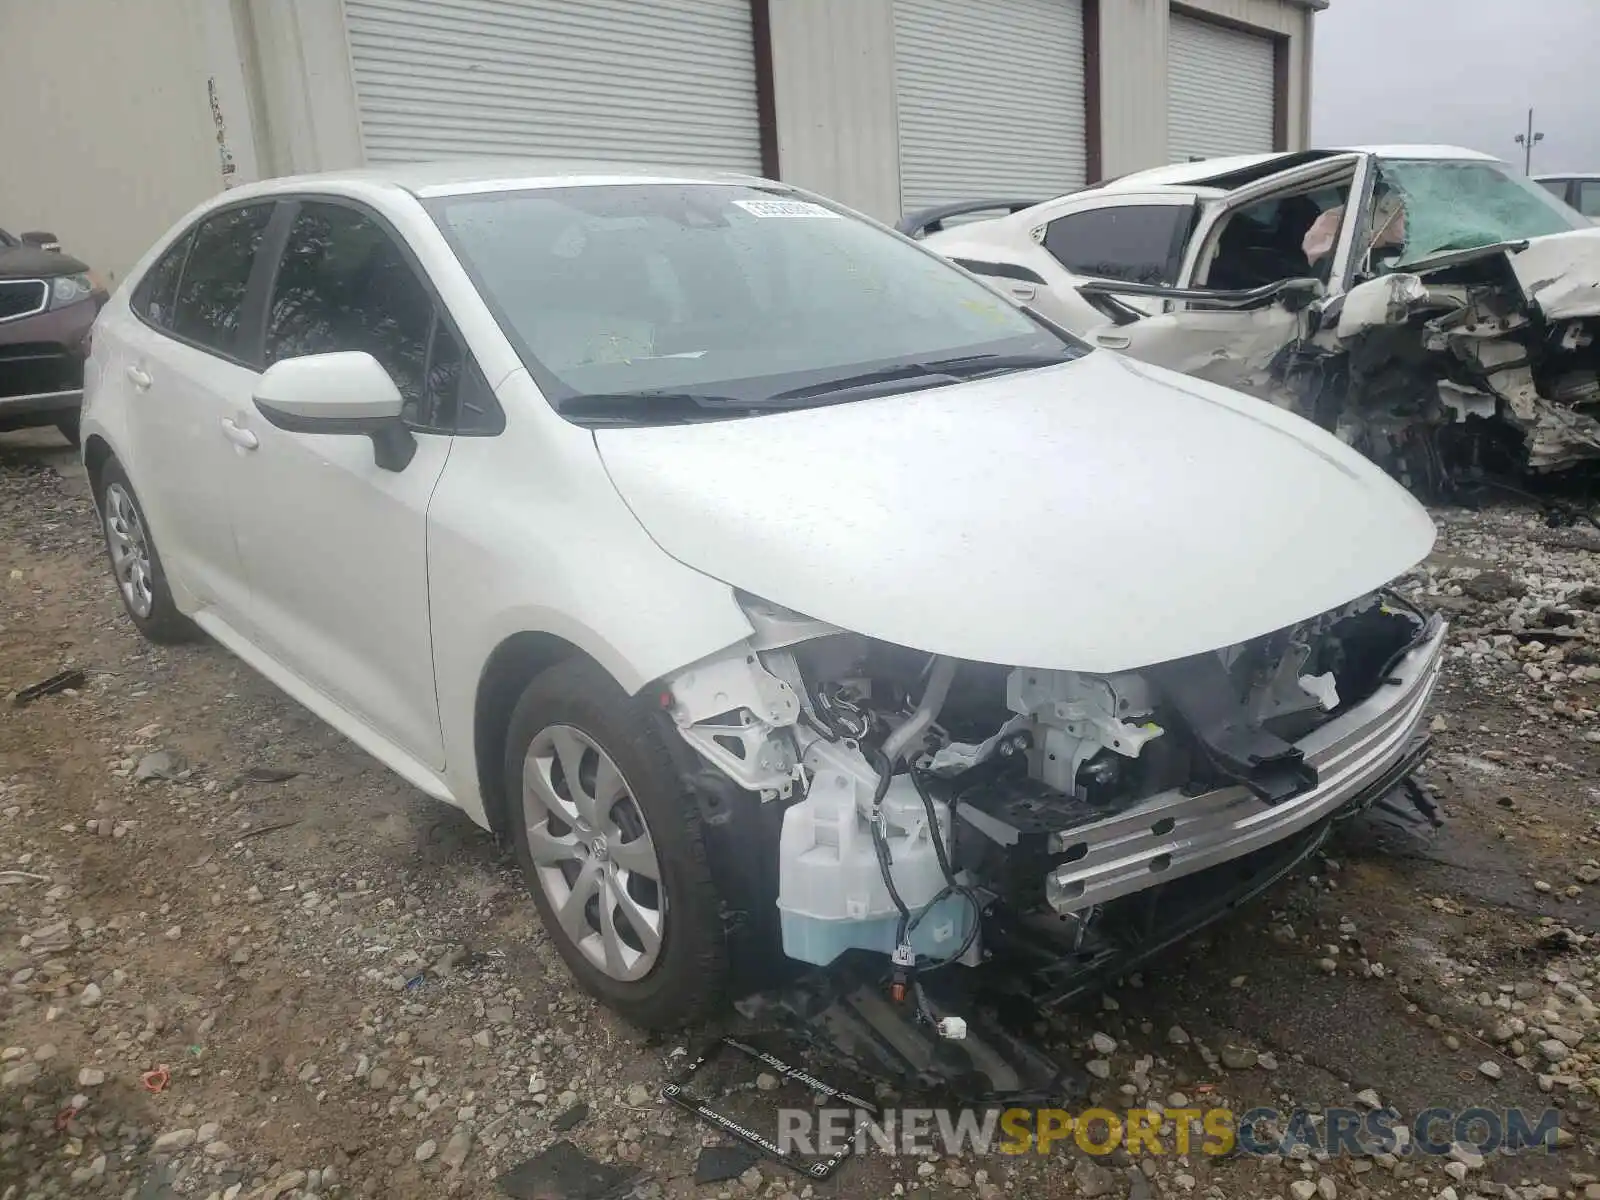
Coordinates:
(917, 375)
(974, 366)
(652, 406)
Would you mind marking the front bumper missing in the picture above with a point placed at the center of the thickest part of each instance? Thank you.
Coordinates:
(1356, 756)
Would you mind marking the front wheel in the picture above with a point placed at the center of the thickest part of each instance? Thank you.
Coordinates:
(612, 848)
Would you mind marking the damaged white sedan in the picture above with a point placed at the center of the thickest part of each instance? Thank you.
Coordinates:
(1428, 304)
(779, 590)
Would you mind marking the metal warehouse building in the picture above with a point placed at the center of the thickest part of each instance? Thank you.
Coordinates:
(888, 105)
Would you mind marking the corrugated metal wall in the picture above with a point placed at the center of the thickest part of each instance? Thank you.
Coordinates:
(1134, 72)
(990, 98)
(833, 82)
(671, 81)
(1220, 97)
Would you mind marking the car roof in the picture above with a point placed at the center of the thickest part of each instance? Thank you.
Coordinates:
(1567, 175)
(1191, 175)
(476, 175)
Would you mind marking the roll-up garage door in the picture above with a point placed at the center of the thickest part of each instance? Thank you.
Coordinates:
(1220, 94)
(990, 99)
(671, 81)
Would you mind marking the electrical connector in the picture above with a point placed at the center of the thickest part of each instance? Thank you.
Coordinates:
(952, 1029)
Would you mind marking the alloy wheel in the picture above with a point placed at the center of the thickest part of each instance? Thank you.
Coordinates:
(130, 551)
(592, 852)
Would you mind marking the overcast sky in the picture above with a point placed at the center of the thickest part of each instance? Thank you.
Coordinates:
(1463, 72)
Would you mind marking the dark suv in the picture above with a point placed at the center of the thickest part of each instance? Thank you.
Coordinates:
(48, 302)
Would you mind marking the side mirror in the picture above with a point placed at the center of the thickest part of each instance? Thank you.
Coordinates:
(347, 392)
(41, 240)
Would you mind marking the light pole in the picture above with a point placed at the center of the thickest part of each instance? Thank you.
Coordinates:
(1528, 141)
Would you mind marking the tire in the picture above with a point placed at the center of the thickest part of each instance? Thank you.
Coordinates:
(575, 714)
(68, 427)
(141, 584)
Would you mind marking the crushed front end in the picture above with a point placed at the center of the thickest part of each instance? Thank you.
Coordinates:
(934, 811)
(1473, 363)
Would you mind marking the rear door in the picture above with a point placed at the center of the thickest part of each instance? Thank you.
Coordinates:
(335, 546)
(187, 365)
(1041, 255)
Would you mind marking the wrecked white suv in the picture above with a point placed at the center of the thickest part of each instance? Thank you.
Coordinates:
(1429, 304)
(769, 582)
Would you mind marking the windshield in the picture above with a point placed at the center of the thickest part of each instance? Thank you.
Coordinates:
(1461, 205)
(721, 291)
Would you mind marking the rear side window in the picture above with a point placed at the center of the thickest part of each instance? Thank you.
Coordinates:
(154, 298)
(1588, 202)
(211, 292)
(1137, 243)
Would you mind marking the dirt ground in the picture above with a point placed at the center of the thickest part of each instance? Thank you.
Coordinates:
(343, 989)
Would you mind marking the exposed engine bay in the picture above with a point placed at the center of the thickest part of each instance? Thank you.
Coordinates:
(933, 811)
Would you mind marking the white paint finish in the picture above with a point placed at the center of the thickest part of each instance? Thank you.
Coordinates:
(669, 81)
(306, 90)
(187, 465)
(313, 580)
(833, 86)
(1201, 516)
(1220, 97)
(1561, 274)
(335, 386)
(1011, 239)
(108, 132)
(990, 99)
(922, 527)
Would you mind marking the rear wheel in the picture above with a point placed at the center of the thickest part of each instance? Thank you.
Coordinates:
(135, 563)
(612, 848)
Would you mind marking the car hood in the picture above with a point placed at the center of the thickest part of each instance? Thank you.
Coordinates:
(1097, 516)
(1559, 274)
(29, 262)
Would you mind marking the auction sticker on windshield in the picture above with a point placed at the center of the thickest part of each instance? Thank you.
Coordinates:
(784, 208)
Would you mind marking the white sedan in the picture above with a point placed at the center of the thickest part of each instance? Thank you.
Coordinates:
(766, 580)
(1431, 305)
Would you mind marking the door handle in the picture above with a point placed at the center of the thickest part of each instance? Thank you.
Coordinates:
(239, 436)
(1114, 341)
(139, 377)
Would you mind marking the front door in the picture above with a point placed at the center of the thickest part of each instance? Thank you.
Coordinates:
(1287, 239)
(335, 546)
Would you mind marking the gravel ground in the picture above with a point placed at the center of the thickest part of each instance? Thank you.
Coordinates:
(346, 992)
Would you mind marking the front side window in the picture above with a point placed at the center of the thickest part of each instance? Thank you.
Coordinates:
(210, 297)
(719, 291)
(1444, 205)
(344, 285)
(153, 299)
(1136, 243)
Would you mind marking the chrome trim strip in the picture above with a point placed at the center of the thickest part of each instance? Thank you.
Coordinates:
(1172, 835)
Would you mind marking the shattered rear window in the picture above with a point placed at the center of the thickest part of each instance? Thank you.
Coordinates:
(1461, 205)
